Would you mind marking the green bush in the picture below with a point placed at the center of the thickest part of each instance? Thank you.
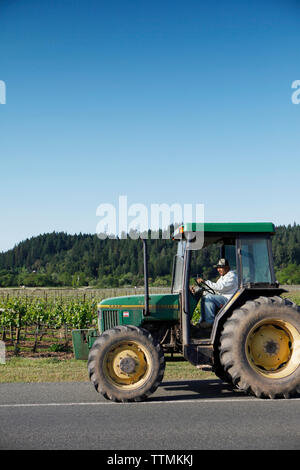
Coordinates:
(289, 275)
(59, 347)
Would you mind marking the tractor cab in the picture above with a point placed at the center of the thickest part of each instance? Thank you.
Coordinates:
(248, 249)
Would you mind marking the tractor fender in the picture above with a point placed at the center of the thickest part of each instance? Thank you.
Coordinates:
(236, 301)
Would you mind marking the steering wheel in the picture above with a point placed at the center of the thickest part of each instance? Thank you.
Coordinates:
(206, 287)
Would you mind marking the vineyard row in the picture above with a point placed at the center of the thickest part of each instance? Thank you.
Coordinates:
(20, 312)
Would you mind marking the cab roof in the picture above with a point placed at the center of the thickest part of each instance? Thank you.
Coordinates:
(225, 228)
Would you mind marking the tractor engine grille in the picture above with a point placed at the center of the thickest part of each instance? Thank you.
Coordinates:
(110, 318)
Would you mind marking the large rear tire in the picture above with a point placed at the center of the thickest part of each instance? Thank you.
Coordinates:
(126, 364)
(260, 347)
(218, 369)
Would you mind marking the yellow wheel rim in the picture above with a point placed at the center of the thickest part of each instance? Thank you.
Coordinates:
(127, 365)
(273, 348)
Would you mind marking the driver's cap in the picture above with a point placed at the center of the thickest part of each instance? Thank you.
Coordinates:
(221, 263)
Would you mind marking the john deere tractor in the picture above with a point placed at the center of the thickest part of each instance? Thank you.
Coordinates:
(254, 343)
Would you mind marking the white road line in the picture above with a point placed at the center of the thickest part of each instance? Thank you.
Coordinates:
(158, 402)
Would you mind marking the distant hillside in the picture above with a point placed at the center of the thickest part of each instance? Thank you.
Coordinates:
(59, 259)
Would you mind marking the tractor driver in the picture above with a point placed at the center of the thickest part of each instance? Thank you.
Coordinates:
(224, 288)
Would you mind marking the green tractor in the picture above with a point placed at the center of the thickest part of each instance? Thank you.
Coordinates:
(254, 344)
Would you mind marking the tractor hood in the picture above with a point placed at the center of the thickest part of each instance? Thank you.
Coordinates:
(130, 310)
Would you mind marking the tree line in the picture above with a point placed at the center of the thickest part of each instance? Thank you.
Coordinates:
(59, 259)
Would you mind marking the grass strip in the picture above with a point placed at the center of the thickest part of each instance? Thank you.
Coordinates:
(19, 369)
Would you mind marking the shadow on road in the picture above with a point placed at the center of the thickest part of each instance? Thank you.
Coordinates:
(198, 389)
(193, 389)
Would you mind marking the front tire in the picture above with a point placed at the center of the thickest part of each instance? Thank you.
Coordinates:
(126, 364)
(260, 347)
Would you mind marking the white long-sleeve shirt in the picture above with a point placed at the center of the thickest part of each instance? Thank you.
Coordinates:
(226, 285)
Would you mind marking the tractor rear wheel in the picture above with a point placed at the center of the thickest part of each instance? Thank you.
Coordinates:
(126, 364)
(260, 347)
(218, 369)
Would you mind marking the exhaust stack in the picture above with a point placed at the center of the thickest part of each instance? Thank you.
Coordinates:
(146, 283)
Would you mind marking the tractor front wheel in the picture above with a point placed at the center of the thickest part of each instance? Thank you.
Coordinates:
(126, 364)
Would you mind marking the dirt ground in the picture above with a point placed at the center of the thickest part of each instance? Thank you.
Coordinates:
(43, 350)
(40, 354)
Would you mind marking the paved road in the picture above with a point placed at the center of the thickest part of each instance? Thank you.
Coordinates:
(182, 415)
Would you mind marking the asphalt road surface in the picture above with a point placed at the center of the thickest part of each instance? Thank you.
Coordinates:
(181, 415)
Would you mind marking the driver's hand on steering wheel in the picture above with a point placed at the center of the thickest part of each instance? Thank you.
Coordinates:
(199, 280)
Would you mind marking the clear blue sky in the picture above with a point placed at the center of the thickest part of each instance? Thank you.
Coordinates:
(165, 101)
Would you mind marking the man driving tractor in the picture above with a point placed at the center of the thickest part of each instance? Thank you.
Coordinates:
(218, 293)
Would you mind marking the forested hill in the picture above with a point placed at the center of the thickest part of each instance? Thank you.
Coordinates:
(59, 259)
